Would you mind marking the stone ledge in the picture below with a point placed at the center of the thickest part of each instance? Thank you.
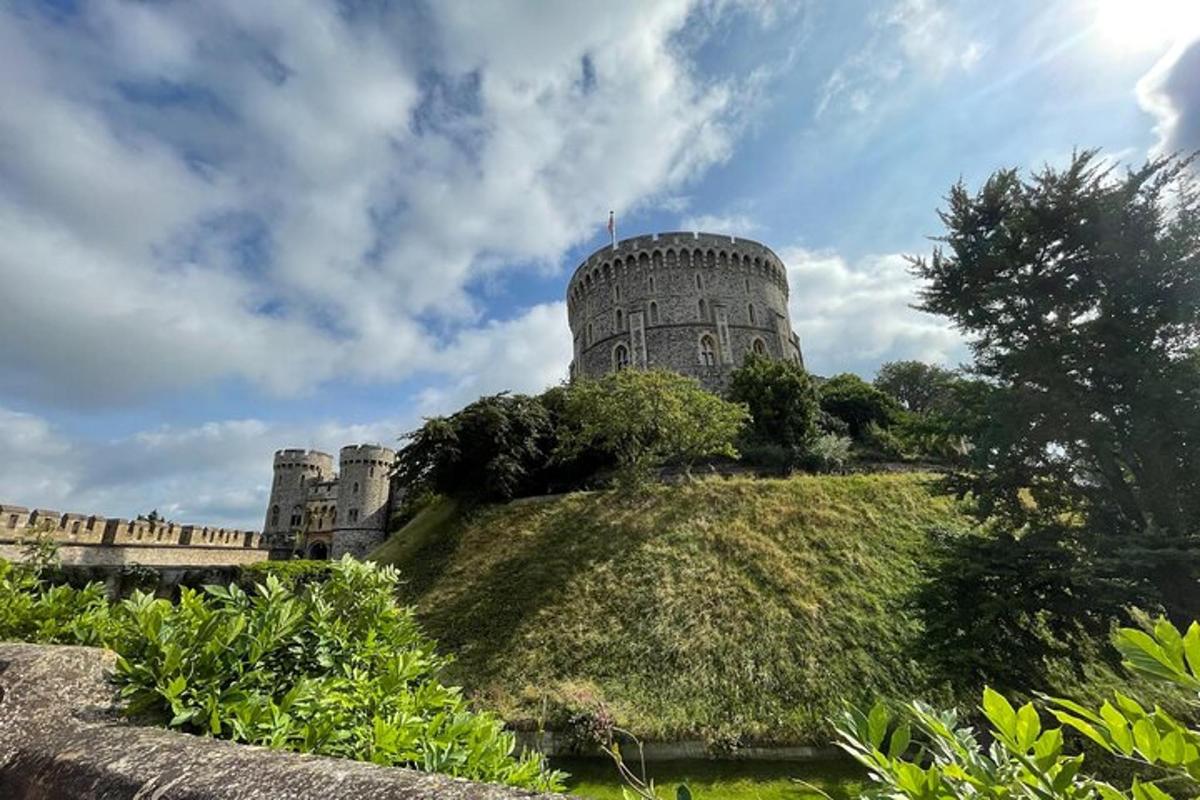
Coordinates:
(61, 739)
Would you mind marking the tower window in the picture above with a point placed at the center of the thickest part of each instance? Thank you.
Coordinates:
(355, 487)
(750, 308)
(653, 313)
(703, 310)
(617, 293)
(588, 338)
(354, 515)
(620, 315)
(620, 357)
(759, 347)
(274, 517)
(651, 283)
(708, 351)
(699, 281)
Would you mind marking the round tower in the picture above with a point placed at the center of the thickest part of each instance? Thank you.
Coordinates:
(294, 472)
(364, 480)
(694, 303)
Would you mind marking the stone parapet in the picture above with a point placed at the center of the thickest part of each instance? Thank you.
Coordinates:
(62, 739)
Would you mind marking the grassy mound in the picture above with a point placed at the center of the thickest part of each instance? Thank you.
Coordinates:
(723, 609)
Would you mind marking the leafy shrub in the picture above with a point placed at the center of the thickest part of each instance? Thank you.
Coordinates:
(34, 610)
(318, 658)
(857, 403)
(645, 419)
(494, 449)
(1026, 759)
(827, 453)
(295, 574)
(334, 667)
(781, 399)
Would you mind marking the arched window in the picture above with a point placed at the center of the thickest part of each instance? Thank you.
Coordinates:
(703, 309)
(588, 338)
(750, 308)
(653, 313)
(699, 281)
(747, 284)
(317, 551)
(371, 471)
(652, 283)
(274, 517)
(297, 517)
(617, 293)
(708, 351)
(759, 347)
(620, 317)
(355, 487)
(620, 357)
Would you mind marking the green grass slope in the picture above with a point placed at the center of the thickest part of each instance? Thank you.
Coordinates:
(724, 609)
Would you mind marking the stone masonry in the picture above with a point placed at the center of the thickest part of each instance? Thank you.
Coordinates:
(319, 513)
(695, 303)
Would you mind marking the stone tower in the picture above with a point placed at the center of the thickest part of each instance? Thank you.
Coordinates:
(295, 471)
(695, 303)
(364, 481)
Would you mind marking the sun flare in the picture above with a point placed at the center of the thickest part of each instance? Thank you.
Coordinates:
(1145, 24)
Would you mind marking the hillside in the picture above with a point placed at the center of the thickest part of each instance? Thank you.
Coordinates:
(734, 608)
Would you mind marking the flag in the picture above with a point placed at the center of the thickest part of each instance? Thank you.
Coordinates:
(612, 228)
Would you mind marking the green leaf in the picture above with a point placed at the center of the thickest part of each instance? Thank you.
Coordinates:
(1028, 727)
(1145, 735)
(999, 712)
(1148, 791)
(1117, 727)
(1173, 749)
(901, 737)
(877, 723)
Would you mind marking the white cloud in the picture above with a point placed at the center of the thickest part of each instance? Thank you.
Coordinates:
(1171, 92)
(854, 317)
(909, 38)
(290, 195)
(215, 473)
(732, 224)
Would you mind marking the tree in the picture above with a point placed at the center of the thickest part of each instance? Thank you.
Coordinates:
(857, 403)
(1080, 293)
(918, 387)
(781, 398)
(646, 419)
(494, 449)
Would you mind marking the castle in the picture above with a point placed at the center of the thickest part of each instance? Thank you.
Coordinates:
(695, 303)
(322, 514)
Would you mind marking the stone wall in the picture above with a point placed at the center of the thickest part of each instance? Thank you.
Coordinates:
(91, 540)
(62, 739)
(695, 303)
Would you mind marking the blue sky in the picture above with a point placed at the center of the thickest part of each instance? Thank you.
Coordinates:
(231, 227)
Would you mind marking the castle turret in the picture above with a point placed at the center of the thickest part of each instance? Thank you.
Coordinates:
(362, 501)
(295, 471)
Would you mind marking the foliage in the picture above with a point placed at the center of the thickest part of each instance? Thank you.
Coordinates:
(918, 387)
(781, 399)
(1027, 759)
(724, 602)
(827, 453)
(34, 610)
(295, 574)
(1080, 292)
(335, 668)
(330, 666)
(857, 403)
(494, 449)
(646, 419)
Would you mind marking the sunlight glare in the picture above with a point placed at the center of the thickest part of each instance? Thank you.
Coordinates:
(1144, 24)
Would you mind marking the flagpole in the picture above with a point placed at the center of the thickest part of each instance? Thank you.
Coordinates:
(612, 228)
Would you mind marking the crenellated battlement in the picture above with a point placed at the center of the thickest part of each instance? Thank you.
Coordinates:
(19, 524)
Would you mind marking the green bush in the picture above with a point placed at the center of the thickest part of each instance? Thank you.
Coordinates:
(857, 403)
(648, 418)
(330, 666)
(294, 574)
(928, 755)
(34, 610)
(829, 452)
(781, 399)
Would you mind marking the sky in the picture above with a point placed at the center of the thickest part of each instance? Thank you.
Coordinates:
(231, 227)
